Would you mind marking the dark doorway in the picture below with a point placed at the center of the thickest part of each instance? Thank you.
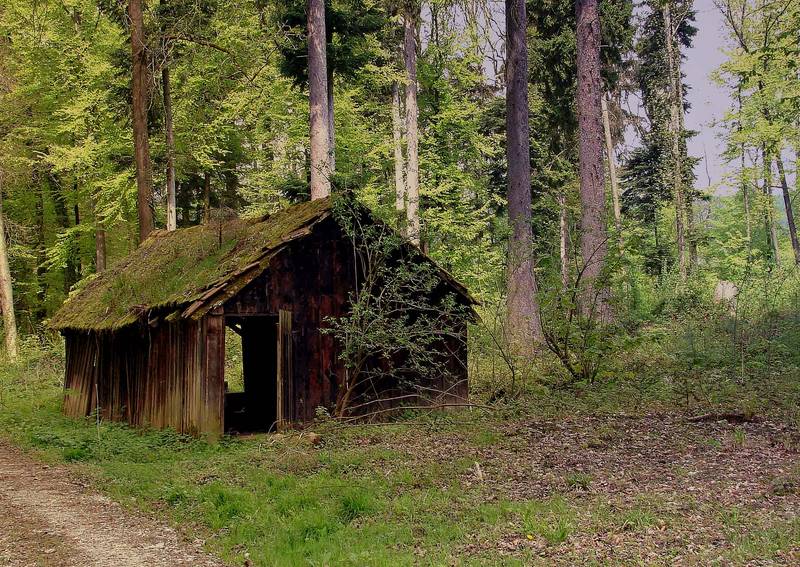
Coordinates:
(255, 408)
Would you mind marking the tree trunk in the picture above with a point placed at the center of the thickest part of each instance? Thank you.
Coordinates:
(6, 290)
(141, 144)
(319, 121)
(524, 325)
(674, 128)
(688, 201)
(612, 171)
(399, 165)
(787, 201)
(331, 123)
(745, 195)
(41, 253)
(172, 214)
(746, 199)
(594, 299)
(99, 248)
(412, 127)
(206, 197)
(769, 213)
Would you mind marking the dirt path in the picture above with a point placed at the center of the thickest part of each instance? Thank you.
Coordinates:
(47, 518)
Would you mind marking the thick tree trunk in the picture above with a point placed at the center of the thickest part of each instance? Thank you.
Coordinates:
(172, 214)
(524, 325)
(399, 165)
(594, 240)
(6, 290)
(612, 171)
(141, 144)
(319, 121)
(675, 133)
(412, 127)
(787, 202)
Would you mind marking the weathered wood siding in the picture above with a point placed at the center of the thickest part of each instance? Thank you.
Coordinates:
(172, 374)
(167, 376)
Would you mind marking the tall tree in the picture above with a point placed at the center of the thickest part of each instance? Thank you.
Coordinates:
(319, 121)
(6, 291)
(675, 101)
(612, 171)
(141, 144)
(524, 323)
(787, 203)
(399, 162)
(412, 119)
(172, 217)
(593, 237)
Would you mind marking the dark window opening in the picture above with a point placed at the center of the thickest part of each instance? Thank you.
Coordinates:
(251, 406)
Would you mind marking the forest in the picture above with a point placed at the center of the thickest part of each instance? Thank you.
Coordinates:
(633, 324)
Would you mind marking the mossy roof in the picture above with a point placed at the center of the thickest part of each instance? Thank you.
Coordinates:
(186, 272)
(178, 269)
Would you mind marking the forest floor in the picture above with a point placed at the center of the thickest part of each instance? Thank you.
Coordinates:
(50, 518)
(539, 480)
(582, 490)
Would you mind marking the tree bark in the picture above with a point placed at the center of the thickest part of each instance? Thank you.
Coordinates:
(747, 224)
(787, 201)
(399, 165)
(674, 127)
(412, 127)
(141, 144)
(99, 248)
(331, 122)
(612, 171)
(594, 239)
(524, 327)
(769, 213)
(691, 233)
(172, 214)
(6, 289)
(41, 253)
(319, 121)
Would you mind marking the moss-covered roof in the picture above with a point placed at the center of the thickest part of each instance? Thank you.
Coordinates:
(179, 269)
(186, 272)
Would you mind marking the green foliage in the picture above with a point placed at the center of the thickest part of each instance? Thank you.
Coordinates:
(401, 320)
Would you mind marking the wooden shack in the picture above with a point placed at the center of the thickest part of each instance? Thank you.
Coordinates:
(145, 340)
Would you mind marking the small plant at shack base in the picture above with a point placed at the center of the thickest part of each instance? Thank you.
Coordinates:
(399, 323)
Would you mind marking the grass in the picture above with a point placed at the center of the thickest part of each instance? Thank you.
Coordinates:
(370, 495)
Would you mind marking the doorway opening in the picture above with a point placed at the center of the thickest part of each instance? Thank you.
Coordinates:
(251, 398)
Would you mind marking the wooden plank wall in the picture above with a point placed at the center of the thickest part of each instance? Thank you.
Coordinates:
(172, 375)
(155, 377)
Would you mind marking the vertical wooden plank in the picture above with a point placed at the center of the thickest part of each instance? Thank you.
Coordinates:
(213, 394)
(285, 374)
